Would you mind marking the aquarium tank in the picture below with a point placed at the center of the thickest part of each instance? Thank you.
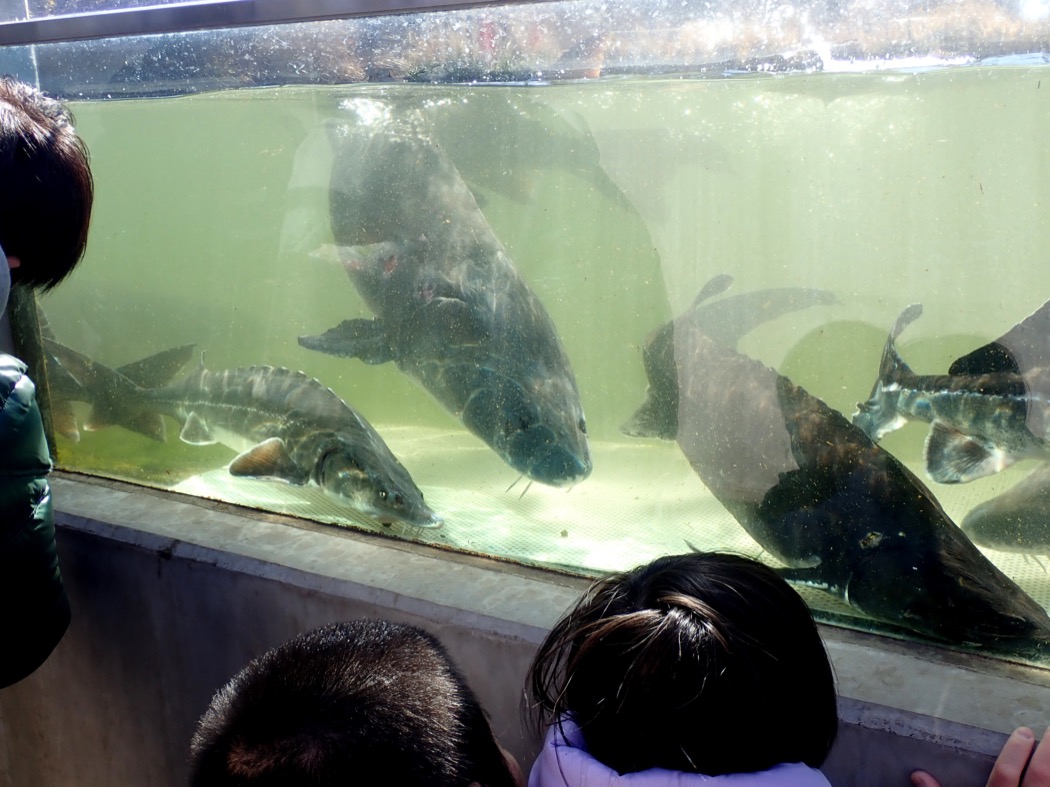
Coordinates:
(577, 284)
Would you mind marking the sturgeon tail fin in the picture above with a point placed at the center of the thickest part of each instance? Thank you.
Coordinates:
(117, 396)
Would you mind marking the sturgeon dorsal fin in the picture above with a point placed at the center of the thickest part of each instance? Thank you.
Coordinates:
(268, 459)
(196, 431)
(158, 369)
(729, 319)
(715, 286)
(954, 457)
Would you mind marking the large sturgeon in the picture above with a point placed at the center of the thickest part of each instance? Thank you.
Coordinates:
(815, 492)
(450, 308)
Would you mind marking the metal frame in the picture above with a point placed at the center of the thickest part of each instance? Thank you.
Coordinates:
(209, 14)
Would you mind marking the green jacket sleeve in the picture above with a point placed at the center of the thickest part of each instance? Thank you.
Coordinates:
(34, 609)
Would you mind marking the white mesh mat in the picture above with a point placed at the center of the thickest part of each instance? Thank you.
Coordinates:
(641, 501)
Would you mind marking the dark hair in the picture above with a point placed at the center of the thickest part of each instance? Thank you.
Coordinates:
(704, 663)
(361, 702)
(45, 202)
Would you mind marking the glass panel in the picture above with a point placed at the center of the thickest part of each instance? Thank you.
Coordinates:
(523, 248)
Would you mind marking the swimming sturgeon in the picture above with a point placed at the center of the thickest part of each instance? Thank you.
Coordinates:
(450, 308)
(1018, 520)
(841, 513)
(991, 410)
(287, 426)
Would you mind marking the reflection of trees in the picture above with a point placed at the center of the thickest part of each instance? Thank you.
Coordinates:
(38, 8)
(58, 7)
(562, 40)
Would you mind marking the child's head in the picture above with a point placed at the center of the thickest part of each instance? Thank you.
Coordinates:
(705, 663)
(362, 702)
(45, 204)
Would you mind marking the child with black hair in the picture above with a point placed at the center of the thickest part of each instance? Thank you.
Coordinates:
(361, 702)
(45, 212)
(702, 668)
(45, 205)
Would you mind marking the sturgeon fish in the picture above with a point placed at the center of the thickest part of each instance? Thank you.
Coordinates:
(450, 308)
(1017, 520)
(842, 514)
(287, 426)
(981, 422)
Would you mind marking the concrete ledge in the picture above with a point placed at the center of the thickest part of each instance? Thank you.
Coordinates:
(492, 596)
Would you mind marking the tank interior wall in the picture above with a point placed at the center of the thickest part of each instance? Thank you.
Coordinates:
(161, 622)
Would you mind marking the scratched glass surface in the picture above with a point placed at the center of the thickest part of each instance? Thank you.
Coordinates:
(617, 201)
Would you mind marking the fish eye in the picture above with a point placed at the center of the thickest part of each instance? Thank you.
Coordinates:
(582, 426)
(382, 494)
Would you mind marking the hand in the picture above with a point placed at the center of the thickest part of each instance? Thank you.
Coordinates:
(1016, 754)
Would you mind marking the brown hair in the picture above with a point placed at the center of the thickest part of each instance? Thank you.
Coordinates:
(704, 663)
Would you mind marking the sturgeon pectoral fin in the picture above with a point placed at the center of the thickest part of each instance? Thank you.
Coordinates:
(652, 419)
(954, 457)
(268, 459)
(364, 339)
(195, 431)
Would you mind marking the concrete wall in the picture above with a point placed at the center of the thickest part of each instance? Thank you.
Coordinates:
(172, 597)
(153, 637)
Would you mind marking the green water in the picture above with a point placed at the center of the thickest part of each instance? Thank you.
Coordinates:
(617, 200)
